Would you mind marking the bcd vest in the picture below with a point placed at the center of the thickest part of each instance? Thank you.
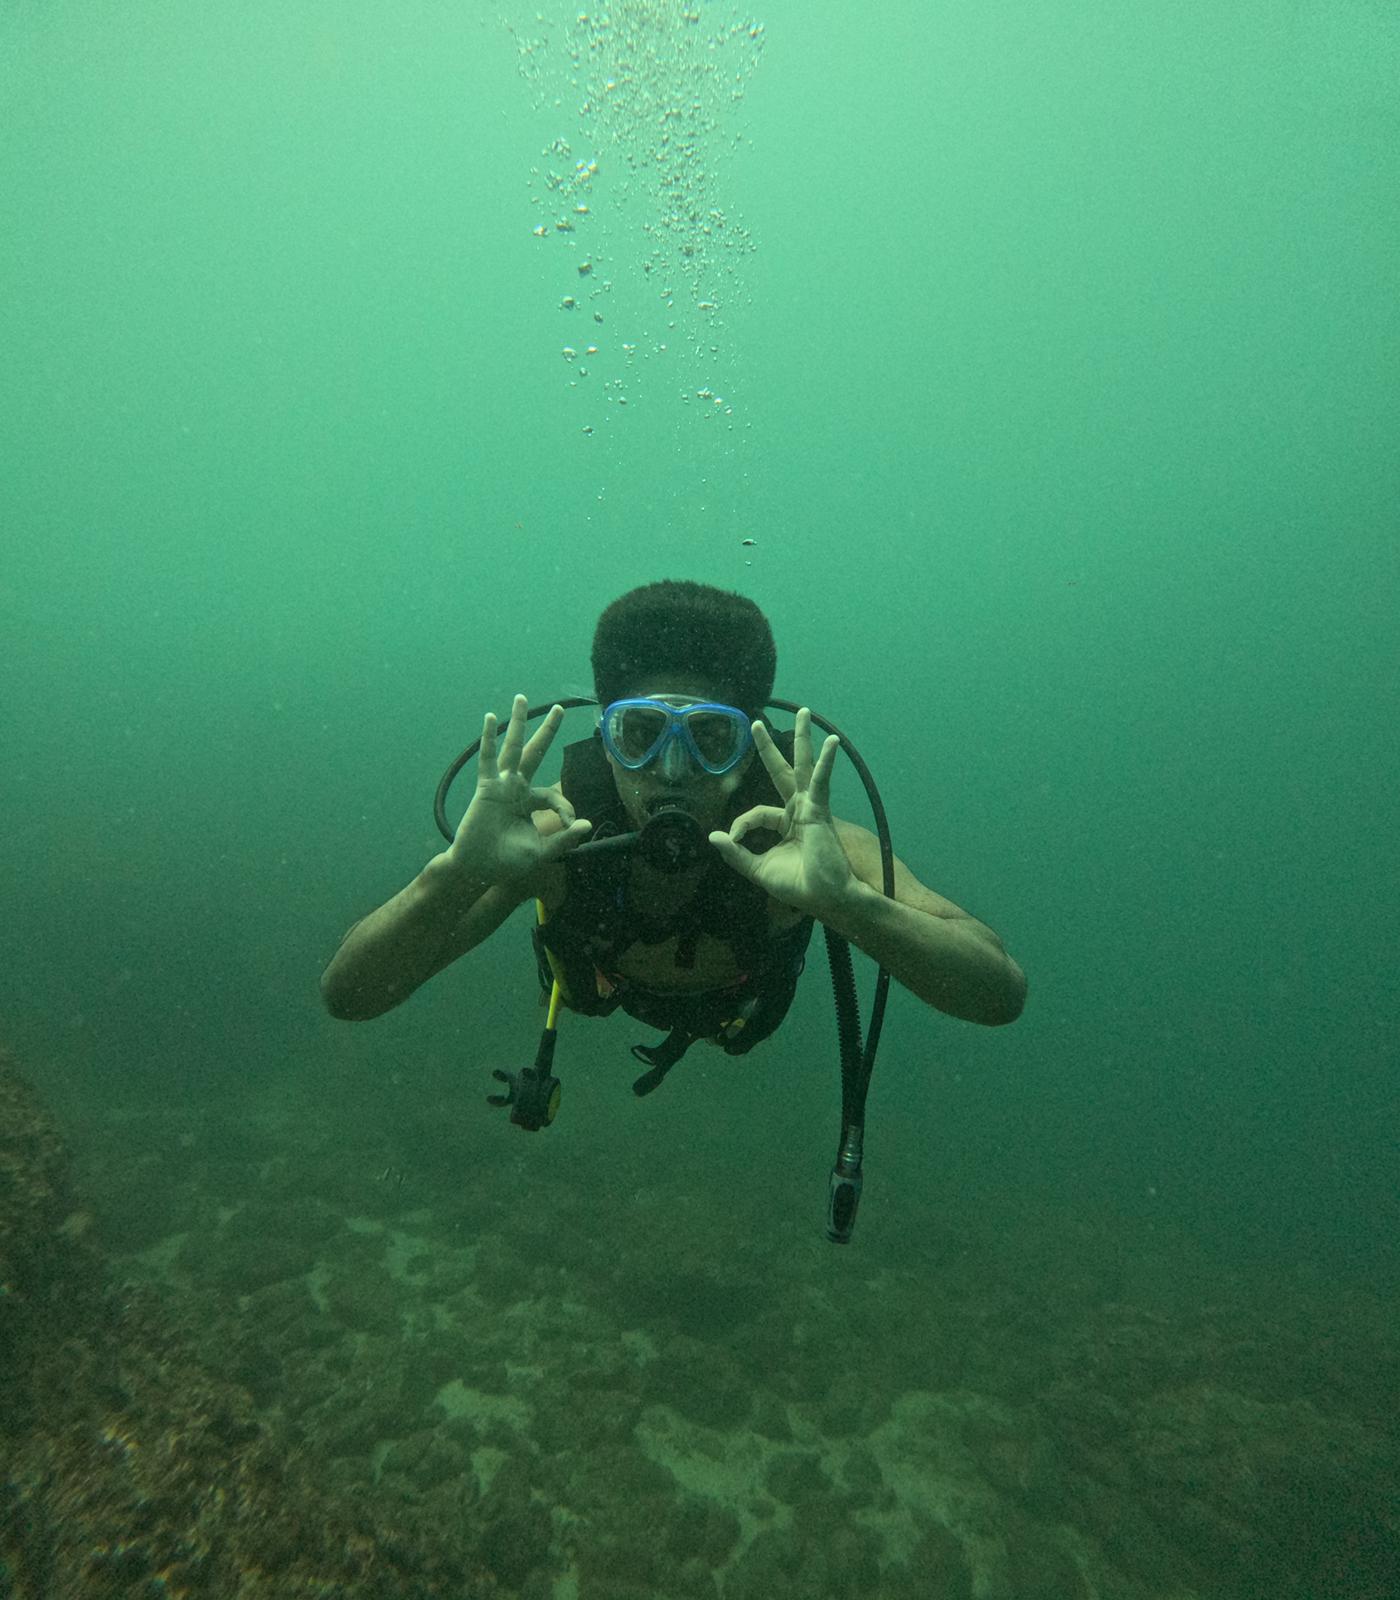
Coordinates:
(581, 942)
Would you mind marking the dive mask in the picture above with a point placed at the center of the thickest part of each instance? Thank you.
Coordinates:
(639, 732)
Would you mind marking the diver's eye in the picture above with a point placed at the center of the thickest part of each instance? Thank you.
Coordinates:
(637, 730)
(715, 736)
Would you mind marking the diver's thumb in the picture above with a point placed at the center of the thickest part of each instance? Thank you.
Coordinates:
(734, 855)
(569, 838)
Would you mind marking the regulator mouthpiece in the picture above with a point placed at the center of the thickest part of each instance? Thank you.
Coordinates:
(671, 840)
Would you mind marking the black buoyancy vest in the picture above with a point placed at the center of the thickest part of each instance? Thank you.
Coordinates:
(594, 925)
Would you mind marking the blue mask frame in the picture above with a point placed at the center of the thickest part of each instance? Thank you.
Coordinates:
(675, 730)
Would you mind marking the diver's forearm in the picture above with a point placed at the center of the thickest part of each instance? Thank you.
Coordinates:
(956, 964)
(389, 953)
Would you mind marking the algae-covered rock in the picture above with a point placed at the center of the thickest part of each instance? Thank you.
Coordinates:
(692, 1580)
(795, 1477)
(770, 1418)
(776, 1563)
(701, 1381)
(244, 1261)
(305, 1221)
(607, 1417)
(148, 1202)
(936, 1565)
(35, 1194)
(131, 1470)
(1038, 1567)
(366, 1300)
(516, 1532)
(861, 1475)
(851, 1406)
(1277, 1490)
(428, 1457)
(704, 1531)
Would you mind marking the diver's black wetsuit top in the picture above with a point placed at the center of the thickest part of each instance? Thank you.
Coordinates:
(594, 925)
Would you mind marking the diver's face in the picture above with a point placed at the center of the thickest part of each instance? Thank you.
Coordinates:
(682, 782)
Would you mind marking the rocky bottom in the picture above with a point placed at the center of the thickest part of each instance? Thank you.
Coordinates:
(274, 1355)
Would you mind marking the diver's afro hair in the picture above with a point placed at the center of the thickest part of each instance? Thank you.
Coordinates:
(679, 627)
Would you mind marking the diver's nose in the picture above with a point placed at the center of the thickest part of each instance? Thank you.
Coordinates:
(676, 765)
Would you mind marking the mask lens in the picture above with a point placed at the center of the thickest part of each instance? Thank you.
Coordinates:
(716, 737)
(635, 731)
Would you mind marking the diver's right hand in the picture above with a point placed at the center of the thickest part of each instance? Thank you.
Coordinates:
(497, 838)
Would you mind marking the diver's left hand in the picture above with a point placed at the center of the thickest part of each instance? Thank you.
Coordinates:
(808, 868)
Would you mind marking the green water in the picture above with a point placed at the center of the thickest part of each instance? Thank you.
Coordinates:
(1058, 365)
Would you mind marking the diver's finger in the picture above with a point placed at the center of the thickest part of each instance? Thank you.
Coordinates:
(773, 818)
(802, 750)
(773, 759)
(486, 768)
(547, 800)
(515, 735)
(540, 741)
(820, 787)
(734, 855)
(570, 838)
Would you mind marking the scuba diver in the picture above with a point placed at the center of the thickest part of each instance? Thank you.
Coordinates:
(678, 867)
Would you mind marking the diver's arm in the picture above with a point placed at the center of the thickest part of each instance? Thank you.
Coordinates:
(933, 947)
(954, 963)
(510, 837)
(442, 914)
